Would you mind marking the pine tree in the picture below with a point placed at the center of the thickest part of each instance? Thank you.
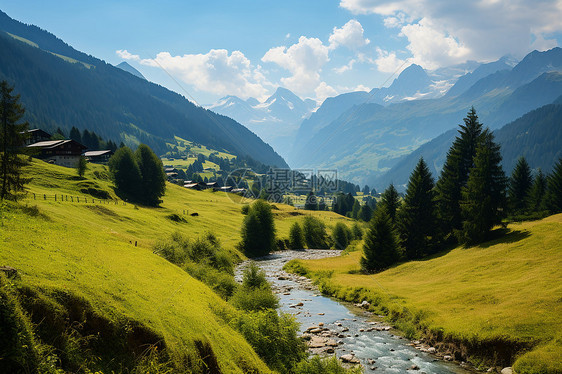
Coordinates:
(554, 189)
(75, 135)
(380, 248)
(454, 175)
(296, 237)
(153, 183)
(13, 134)
(417, 219)
(355, 210)
(365, 213)
(483, 199)
(520, 185)
(537, 192)
(390, 201)
(311, 203)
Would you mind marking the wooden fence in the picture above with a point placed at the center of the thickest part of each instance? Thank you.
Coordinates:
(73, 199)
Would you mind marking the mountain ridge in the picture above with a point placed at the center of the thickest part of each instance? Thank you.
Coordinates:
(110, 101)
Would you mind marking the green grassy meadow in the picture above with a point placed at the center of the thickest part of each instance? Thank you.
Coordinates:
(88, 250)
(505, 292)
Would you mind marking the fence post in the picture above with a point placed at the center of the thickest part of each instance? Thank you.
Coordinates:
(44, 196)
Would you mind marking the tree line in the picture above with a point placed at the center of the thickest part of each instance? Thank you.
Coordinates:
(471, 196)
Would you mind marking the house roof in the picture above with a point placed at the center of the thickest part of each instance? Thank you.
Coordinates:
(50, 144)
(98, 153)
(191, 185)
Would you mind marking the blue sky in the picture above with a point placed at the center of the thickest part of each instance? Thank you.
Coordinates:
(315, 48)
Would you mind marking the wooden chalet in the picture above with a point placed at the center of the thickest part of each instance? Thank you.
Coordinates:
(196, 186)
(36, 135)
(60, 152)
(98, 157)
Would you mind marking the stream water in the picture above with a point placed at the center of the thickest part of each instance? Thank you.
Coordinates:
(348, 329)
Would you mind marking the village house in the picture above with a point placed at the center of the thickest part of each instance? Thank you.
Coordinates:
(36, 135)
(60, 152)
(98, 157)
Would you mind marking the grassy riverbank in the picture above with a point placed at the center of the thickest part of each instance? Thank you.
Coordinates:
(499, 302)
(90, 268)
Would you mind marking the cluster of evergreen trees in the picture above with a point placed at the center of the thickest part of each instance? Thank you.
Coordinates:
(471, 196)
(347, 205)
(90, 139)
(139, 176)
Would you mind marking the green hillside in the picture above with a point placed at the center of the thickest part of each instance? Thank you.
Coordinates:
(103, 98)
(93, 263)
(495, 301)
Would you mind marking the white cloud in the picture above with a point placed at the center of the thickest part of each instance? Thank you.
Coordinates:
(349, 35)
(304, 60)
(361, 88)
(124, 54)
(431, 48)
(344, 68)
(387, 62)
(324, 91)
(215, 72)
(487, 29)
(288, 35)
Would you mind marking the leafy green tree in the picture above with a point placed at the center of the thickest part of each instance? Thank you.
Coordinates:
(315, 234)
(258, 230)
(296, 237)
(483, 203)
(390, 201)
(365, 213)
(417, 219)
(454, 174)
(153, 177)
(81, 166)
(380, 248)
(554, 189)
(520, 185)
(341, 235)
(126, 174)
(537, 192)
(13, 133)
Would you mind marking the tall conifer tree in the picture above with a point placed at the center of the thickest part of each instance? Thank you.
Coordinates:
(391, 201)
(13, 133)
(454, 175)
(537, 192)
(520, 185)
(483, 199)
(417, 218)
(380, 248)
(554, 189)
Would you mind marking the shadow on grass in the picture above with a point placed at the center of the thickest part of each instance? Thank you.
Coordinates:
(504, 236)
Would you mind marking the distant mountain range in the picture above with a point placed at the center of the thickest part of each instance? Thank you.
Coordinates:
(363, 140)
(537, 136)
(276, 120)
(62, 87)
